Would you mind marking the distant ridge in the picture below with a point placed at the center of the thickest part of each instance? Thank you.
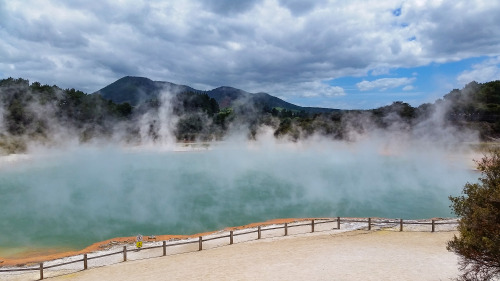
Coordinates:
(136, 90)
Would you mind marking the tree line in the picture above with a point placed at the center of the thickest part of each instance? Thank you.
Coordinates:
(36, 112)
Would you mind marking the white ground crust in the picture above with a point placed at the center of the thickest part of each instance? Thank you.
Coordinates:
(379, 254)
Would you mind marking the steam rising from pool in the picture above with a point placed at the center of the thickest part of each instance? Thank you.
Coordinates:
(77, 196)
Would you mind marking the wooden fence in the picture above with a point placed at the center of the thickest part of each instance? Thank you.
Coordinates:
(312, 223)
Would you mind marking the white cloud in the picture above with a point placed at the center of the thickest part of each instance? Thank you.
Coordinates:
(488, 70)
(380, 71)
(408, 88)
(452, 30)
(314, 89)
(385, 83)
(258, 45)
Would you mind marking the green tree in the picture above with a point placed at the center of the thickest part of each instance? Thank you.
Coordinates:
(124, 110)
(479, 210)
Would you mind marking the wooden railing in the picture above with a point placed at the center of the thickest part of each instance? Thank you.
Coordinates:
(312, 223)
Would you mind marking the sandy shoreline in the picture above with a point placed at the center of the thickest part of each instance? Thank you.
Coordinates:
(350, 253)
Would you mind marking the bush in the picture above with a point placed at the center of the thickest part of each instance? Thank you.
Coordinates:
(479, 210)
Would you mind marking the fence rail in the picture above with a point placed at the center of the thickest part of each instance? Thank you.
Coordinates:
(313, 222)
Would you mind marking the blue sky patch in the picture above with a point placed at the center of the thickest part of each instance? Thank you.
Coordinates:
(396, 12)
(424, 84)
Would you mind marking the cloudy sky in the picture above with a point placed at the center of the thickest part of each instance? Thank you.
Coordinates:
(340, 54)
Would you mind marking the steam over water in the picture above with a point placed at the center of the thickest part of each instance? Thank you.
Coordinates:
(75, 197)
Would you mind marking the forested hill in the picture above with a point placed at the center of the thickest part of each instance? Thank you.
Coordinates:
(475, 102)
(136, 90)
(49, 115)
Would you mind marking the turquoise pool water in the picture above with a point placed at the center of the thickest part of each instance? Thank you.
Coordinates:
(75, 197)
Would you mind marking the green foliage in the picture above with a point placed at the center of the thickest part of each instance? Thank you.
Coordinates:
(12, 145)
(15, 96)
(287, 127)
(224, 117)
(33, 110)
(186, 102)
(476, 102)
(489, 93)
(189, 127)
(17, 83)
(385, 116)
(477, 106)
(197, 113)
(123, 110)
(284, 127)
(479, 227)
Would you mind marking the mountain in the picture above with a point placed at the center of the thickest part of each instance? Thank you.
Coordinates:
(135, 90)
(225, 96)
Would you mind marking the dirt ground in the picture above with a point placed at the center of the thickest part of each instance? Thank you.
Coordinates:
(355, 255)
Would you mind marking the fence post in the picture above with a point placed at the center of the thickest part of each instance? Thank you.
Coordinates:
(400, 224)
(432, 225)
(312, 225)
(369, 223)
(338, 222)
(200, 241)
(164, 248)
(84, 261)
(286, 229)
(124, 253)
(231, 237)
(258, 233)
(41, 270)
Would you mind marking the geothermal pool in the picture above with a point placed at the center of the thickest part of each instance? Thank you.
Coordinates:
(73, 197)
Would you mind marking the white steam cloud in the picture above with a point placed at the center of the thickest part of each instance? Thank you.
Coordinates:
(76, 194)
